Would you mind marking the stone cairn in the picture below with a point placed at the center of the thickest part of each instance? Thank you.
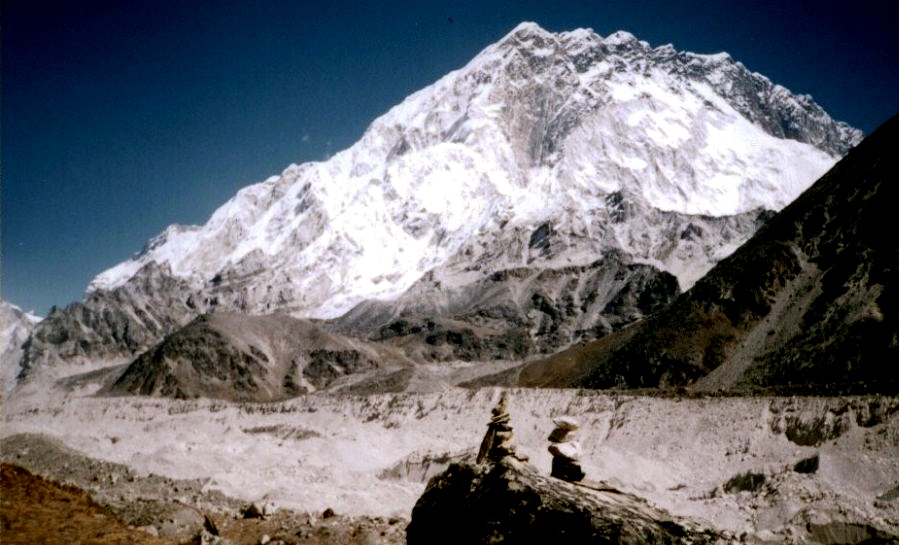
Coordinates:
(566, 450)
(497, 443)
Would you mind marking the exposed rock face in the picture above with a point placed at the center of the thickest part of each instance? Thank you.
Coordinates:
(545, 151)
(249, 358)
(514, 313)
(510, 503)
(15, 328)
(809, 304)
(114, 326)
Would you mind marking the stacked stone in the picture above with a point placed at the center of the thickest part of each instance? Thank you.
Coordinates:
(497, 443)
(566, 450)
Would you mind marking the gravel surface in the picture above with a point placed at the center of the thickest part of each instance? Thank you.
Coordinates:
(119, 506)
(728, 461)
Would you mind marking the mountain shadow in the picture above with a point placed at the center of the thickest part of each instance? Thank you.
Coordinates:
(810, 304)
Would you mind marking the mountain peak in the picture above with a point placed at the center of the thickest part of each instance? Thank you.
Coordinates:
(548, 150)
(526, 28)
(621, 37)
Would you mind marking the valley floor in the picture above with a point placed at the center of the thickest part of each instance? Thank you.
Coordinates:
(771, 469)
(38, 510)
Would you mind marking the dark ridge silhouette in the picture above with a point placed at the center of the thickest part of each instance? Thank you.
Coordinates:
(809, 305)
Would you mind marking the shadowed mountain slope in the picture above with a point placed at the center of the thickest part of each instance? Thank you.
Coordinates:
(512, 314)
(251, 358)
(810, 303)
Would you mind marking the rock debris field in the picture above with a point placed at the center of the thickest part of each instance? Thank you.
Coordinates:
(765, 469)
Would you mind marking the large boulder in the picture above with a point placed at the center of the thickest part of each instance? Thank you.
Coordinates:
(511, 503)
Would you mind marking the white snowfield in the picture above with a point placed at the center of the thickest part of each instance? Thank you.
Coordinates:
(15, 327)
(539, 128)
(373, 455)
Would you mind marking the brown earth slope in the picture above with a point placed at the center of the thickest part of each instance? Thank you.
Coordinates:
(809, 304)
(35, 510)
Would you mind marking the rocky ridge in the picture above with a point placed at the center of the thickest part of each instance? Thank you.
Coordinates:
(112, 327)
(250, 358)
(807, 305)
(592, 146)
(511, 314)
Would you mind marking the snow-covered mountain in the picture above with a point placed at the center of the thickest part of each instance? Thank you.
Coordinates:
(808, 305)
(16, 326)
(544, 151)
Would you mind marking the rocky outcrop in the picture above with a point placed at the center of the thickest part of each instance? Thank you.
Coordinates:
(511, 503)
(115, 325)
(514, 313)
(809, 305)
(250, 358)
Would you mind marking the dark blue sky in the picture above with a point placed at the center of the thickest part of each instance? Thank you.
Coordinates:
(122, 117)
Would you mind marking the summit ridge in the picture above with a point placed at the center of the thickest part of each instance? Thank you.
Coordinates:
(605, 145)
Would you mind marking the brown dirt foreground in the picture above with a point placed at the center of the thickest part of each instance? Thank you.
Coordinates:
(36, 510)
